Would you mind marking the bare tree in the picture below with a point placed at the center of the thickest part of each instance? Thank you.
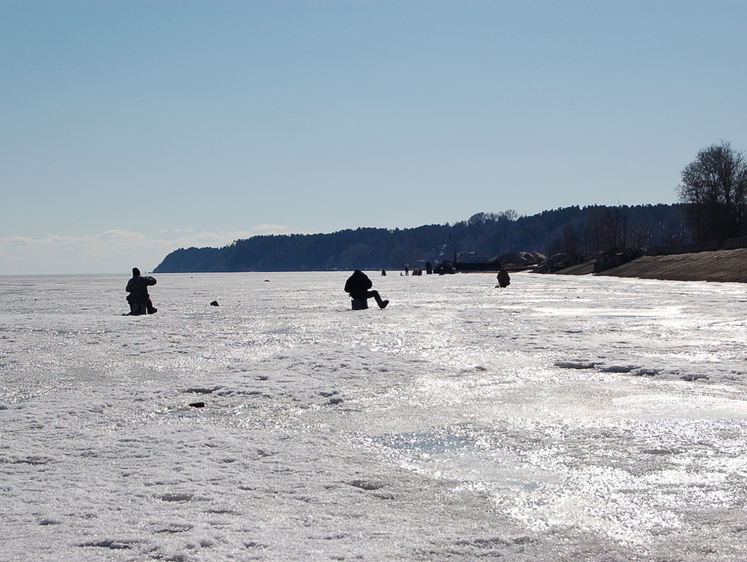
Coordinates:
(605, 225)
(714, 192)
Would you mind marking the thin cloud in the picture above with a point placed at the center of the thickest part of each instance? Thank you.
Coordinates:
(270, 229)
(106, 252)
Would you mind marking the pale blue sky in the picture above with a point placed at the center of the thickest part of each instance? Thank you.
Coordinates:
(132, 128)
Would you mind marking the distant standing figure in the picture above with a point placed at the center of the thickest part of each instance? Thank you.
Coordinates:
(358, 286)
(383, 272)
(139, 298)
(504, 280)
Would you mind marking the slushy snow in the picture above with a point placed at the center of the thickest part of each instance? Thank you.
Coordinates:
(562, 418)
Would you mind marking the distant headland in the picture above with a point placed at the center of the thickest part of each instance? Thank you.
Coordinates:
(578, 232)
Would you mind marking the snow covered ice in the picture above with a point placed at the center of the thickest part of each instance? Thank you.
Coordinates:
(562, 418)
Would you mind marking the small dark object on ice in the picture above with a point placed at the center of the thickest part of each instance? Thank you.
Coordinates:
(198, 404)
(214, 303)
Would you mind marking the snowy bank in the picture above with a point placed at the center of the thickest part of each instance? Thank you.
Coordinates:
(721, 265)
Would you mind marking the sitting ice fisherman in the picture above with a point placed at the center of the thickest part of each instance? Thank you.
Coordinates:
(358, 286)
(139, 298)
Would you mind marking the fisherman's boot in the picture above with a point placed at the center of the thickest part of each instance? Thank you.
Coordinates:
(381, 303)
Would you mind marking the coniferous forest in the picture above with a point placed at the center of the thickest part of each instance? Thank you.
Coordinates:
(584, 231)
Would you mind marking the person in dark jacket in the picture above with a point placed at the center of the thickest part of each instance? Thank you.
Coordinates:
(358, 286)
(504, 279)
(139, 298)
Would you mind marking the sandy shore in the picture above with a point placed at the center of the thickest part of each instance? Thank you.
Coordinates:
(722, 265)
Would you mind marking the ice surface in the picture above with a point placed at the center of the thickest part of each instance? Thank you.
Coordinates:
(562, 418)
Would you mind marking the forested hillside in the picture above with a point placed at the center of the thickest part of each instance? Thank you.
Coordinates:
(571, 230)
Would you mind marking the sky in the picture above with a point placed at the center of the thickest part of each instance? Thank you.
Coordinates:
(129, 129)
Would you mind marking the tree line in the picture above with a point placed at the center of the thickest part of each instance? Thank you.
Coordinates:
(572, 230)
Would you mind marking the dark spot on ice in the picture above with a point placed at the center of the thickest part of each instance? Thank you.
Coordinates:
(239, 393)
(523, 540)
(254, 544)
(197, 404)
(661, 452)
(366, 484)
(113, 544)
(335, 401)
(32, 460)
(617, 369)
(574, 365)
(690, 378)
(214, 303)
(198, 390)
(176, 497)
(222, 511)
(645, 372)
(263, 453)
(175, 528)
(261, 378)
(484, 543)
(50, 522)
(495, 542)
(327, 394)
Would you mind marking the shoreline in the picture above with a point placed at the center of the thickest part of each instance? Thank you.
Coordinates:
(725, 266)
